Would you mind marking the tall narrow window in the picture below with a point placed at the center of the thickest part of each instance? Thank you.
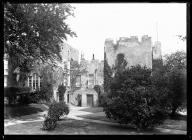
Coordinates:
(34, 81)
(40, 82)
(30, 81)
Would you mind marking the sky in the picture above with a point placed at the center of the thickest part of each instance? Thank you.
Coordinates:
(93, 23)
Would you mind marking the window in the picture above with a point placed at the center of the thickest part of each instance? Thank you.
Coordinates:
(40, 82)
(34, 82)
(78, 81)
(91, 80)
(30, 81)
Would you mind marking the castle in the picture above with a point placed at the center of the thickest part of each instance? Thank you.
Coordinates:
(135, 52)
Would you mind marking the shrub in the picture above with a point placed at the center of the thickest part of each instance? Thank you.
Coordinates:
(177, 91)
(49, 123)
(56, 110)
(61, 91)
(13, 92)
(133, 99)
(97, 88)
(102, 99)
(46, 92)
(175, 69)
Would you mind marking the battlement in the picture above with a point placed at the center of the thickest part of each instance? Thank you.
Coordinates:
(135, 51)
(128, 41)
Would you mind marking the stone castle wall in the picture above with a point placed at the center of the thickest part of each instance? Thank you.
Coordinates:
(94, 75)
(136, 52)
(69, 52)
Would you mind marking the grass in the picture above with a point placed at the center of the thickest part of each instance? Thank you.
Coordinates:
(100, 118)
(74, 127)
(13, 111)
(177, 123)
(92, 109)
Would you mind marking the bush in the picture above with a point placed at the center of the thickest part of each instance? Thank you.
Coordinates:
(134, 100)
(56, 110)
(175, 69)
(13, 92)
(49, 123)
(102, 99)
(61, 91)
(97, 88)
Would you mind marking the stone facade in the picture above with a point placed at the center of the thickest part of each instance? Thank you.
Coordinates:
(86, 95)
(135, 52)
(69, 52)
(94, 75)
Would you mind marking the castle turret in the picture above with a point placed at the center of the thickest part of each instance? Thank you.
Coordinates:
(157, 50)
(156, 56)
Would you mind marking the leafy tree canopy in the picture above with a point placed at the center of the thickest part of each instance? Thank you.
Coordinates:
(33, 32)
(175, 61)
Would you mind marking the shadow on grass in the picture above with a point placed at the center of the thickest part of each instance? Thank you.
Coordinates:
(178, 116)
(92, 109)
(13, 111)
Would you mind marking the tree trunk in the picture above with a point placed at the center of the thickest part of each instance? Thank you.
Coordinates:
(11, 80)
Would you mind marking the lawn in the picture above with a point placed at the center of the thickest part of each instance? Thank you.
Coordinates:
(92, 109)
(178, 123)
(76, 127)
(14, 111)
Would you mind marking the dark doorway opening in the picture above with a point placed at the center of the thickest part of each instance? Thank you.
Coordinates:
(67, 98)
(90, 100)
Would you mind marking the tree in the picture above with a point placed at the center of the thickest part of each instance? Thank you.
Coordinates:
(33, 33)
(181, 37)
(52, 77)
(175, 65)
(61, 91)
(107, 75)
(133, 99)
(120, 64)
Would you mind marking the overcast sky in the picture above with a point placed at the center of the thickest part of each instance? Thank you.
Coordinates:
(93, 23)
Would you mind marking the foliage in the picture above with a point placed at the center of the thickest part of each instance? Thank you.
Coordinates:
(157, 65)
(181, 37)
(11, 91)
(107, 75)
(102, 99)
(97, 88)
(134, 100)
(44, 94)
(120, 63)
(79, 98)
(51, 77)
(49, 123)
(76, 70)
(175, 61)
(56, 110)
(33, 33)
(61, 91)
(175, 70)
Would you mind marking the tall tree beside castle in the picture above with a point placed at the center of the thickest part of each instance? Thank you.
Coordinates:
(107, 75)
(33, 32)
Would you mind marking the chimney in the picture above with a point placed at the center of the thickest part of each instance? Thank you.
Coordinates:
(93, 57)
